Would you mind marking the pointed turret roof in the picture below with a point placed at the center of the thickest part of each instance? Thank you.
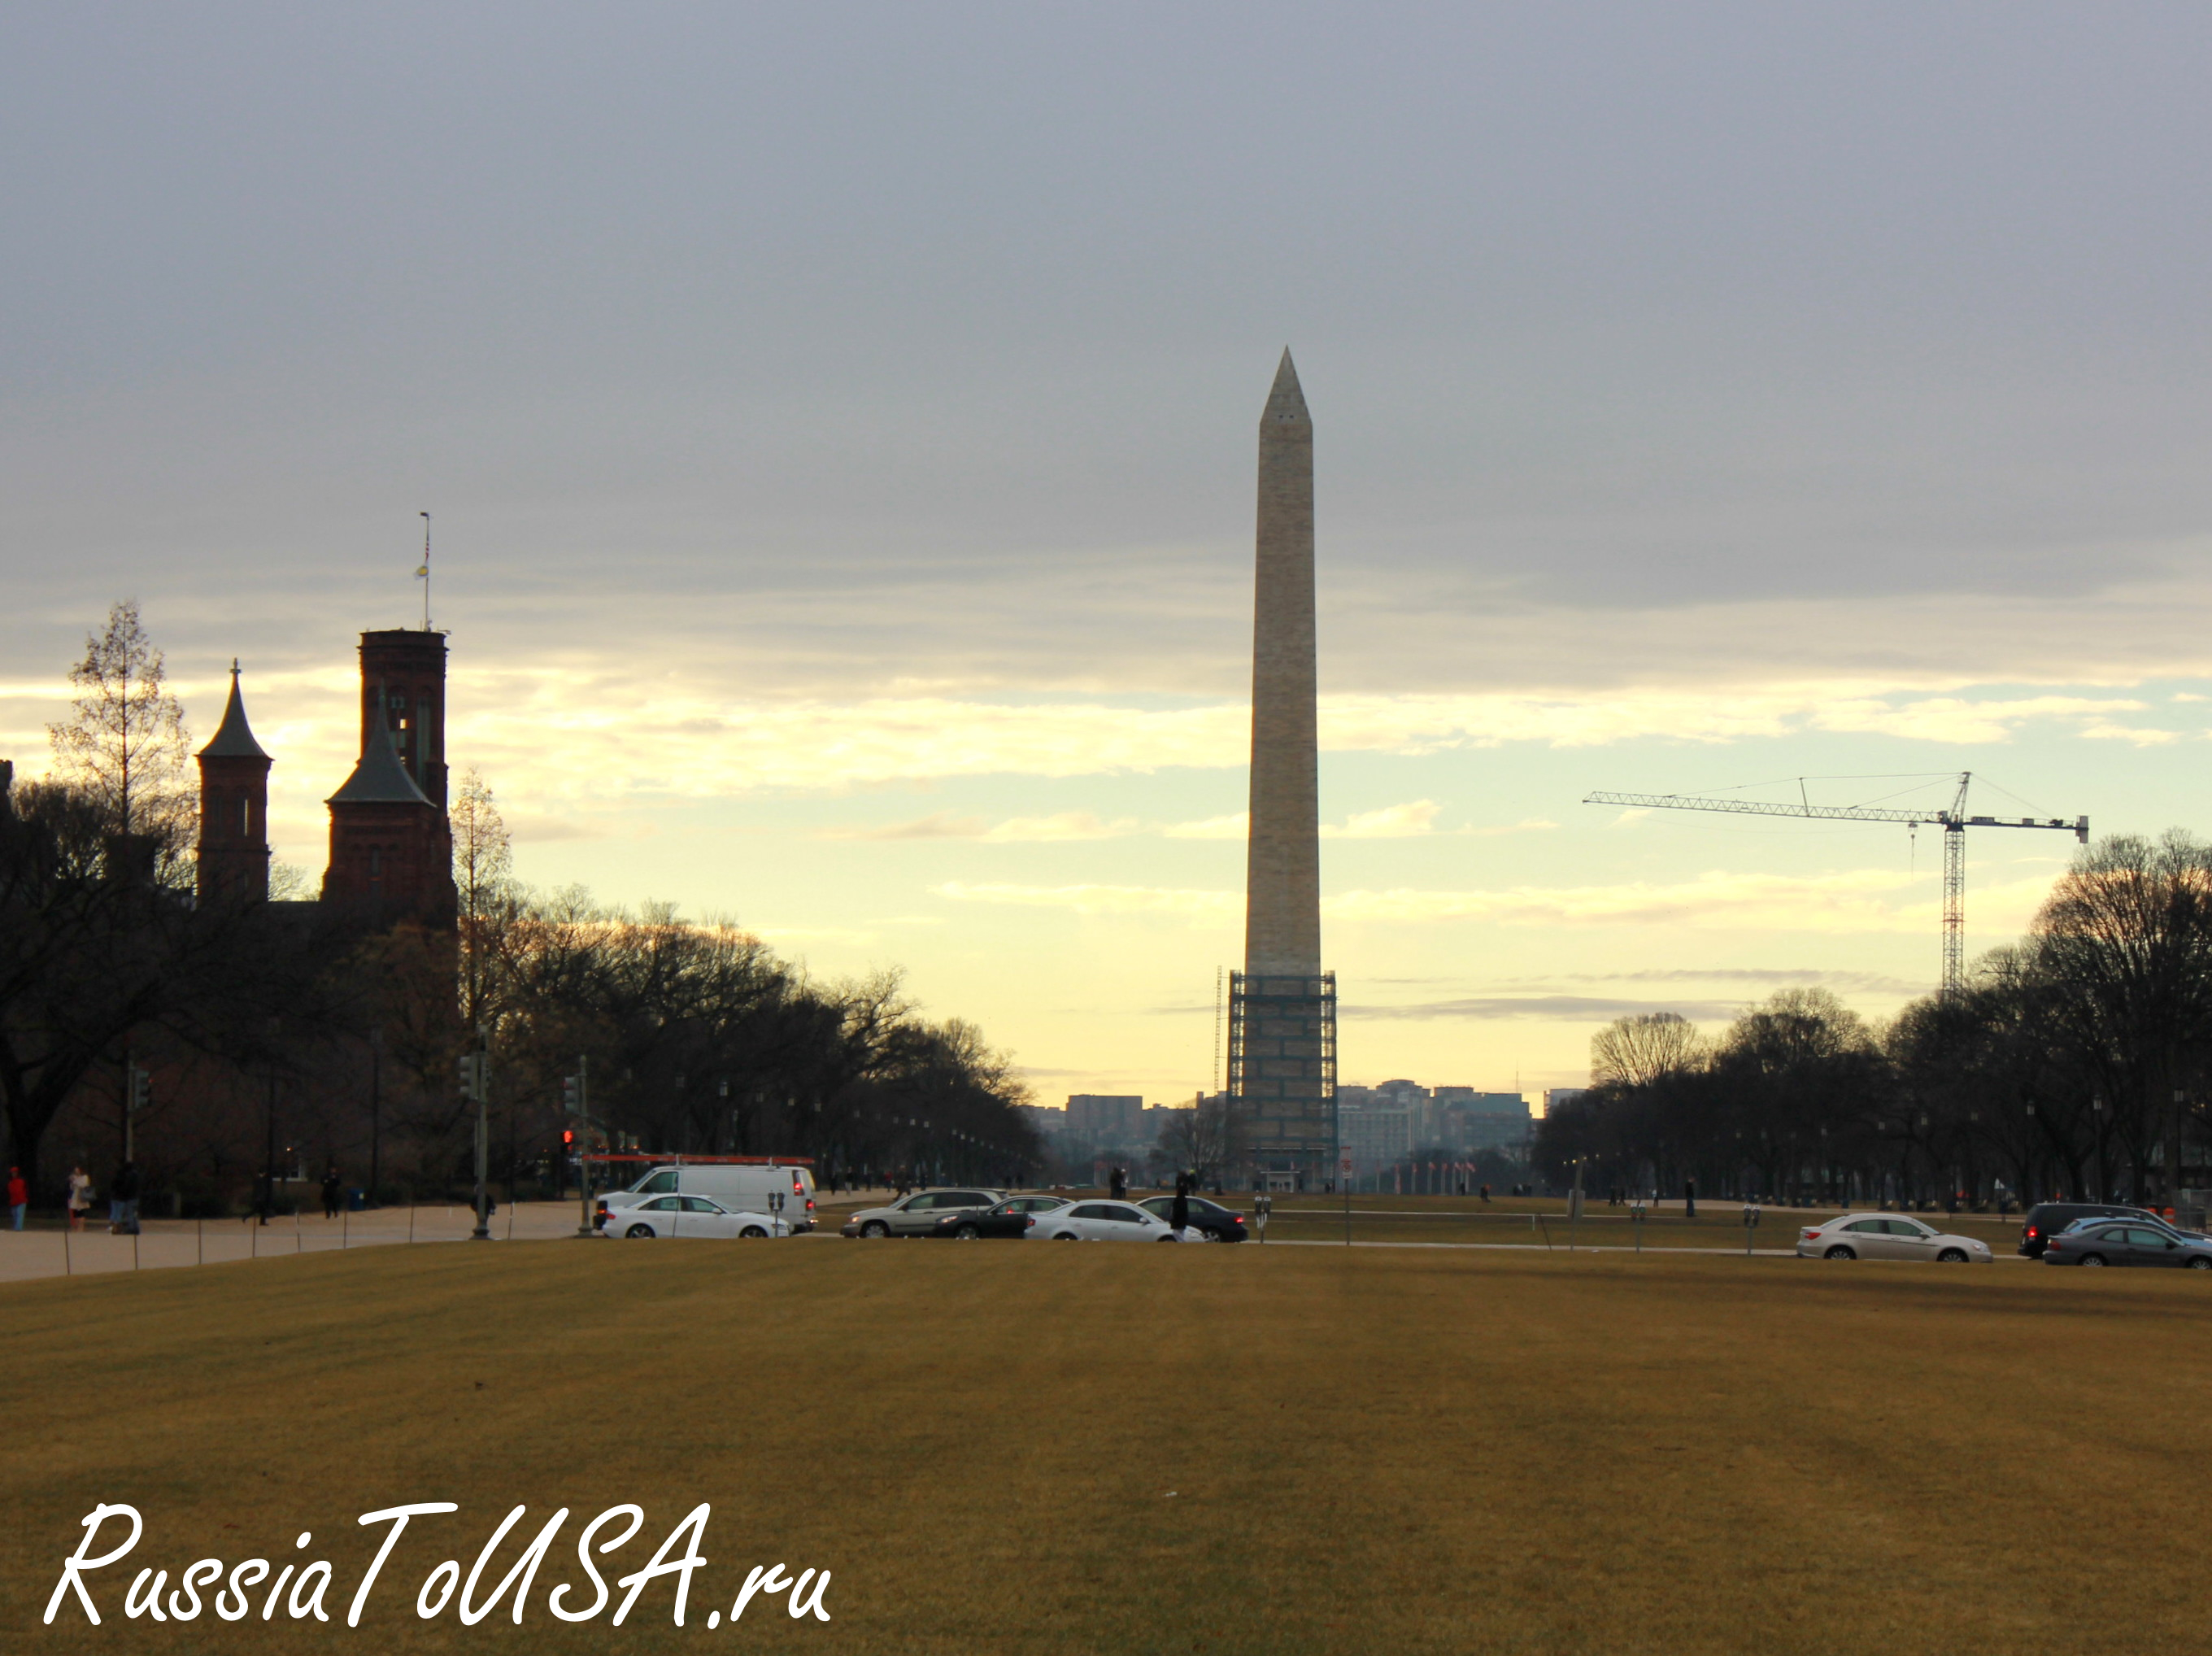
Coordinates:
(378, 778)
(234, 738)
(1286, 402)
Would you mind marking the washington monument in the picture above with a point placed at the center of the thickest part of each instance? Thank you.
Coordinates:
(1282, 1045)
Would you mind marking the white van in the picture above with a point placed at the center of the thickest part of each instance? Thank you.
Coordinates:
(747, 1185)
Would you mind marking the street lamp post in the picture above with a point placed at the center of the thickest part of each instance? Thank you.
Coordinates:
(479, 1073)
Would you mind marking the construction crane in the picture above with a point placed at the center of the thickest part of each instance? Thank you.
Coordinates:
(1954, 821)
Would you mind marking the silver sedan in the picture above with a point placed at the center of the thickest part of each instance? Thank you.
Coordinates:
(1889, 1236)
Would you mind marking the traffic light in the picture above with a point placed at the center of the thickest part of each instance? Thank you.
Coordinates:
(469, 1073)
(141, 1089)
(567, 1135)
(572, 1094)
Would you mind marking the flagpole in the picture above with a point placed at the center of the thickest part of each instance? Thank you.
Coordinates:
(425, 571)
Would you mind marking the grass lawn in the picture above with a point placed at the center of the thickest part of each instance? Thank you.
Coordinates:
(1369, 1449)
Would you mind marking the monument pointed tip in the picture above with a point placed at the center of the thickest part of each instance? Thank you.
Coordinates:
(1287, 400)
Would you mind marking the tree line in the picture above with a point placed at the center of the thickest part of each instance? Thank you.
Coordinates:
(2076, 1062)
(275, 1039)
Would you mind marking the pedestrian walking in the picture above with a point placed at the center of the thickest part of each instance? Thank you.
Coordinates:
(1178, 1210)
(1485, 1196)
(331, 1194)
(19, 1197)
(80, 1197)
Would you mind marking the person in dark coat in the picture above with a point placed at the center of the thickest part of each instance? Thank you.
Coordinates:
(1179, 1209)
(123, 1200)
(331, 1194)
(1689, 1198)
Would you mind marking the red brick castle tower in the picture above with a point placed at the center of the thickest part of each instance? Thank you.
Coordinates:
(392, 847)
(233, 848)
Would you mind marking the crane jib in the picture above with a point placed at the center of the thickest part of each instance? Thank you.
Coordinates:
(1954, 822)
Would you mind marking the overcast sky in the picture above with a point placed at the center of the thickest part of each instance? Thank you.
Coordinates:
(839, 423)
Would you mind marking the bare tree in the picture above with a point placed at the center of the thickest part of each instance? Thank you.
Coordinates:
(484, 882)
(1203, 1139)
(124, 744)
(1639, 1050)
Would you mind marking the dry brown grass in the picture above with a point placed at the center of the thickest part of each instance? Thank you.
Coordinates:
(1371, 1449)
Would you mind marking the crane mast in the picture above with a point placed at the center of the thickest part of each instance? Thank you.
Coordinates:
(1953, 819)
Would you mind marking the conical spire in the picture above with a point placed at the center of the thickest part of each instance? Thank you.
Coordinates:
(378, 777)
(1286, 414)
(234, 738)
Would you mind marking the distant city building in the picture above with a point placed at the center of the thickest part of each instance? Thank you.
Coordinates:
(1375, 1135)
(1556, 1096)
(1109, 1117)
(1394, 1119)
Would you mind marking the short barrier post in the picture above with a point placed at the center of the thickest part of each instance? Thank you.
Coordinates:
(1750, 1224)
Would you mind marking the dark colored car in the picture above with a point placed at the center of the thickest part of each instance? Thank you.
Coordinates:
(2046, 1219)
(2127, 1243)
(1011, 1218)
(1216, 1220)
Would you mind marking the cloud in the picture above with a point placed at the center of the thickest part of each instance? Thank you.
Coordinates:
(1099, 900)
(2136, 735)
(1230, 827)
(1855, 900)
(1862, 982)
(1559, 1008)
(942, 824)
(1391, 822)
(1065, 826)
(1850, 900)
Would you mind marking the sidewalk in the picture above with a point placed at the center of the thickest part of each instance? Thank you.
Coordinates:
(168, 1242)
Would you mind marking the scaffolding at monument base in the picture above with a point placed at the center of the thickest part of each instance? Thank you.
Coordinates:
(1282, 1070)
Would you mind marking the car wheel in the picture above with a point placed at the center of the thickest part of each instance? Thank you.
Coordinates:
(1170, 1237)
(2200, 1261)
(1952, 1256)
(636, 1231)
(875, 1227)
(1065, 1236)
(751, 1230)
(1839, 1251)
(2092, 1258)
(966, 1234)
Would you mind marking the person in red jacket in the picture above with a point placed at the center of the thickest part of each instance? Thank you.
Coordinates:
(19, 1196)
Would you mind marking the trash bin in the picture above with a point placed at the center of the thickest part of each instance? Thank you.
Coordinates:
(356, 1201)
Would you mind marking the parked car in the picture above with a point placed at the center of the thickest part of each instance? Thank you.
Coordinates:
(2046, 1219)
(2127, 1242)
(1889, 1236)
(1218, 1223)
(682, 1216)
(734, 1184)
(1010, 1219)
(1102, 1221)
(2152, 1219)
(917, 1214)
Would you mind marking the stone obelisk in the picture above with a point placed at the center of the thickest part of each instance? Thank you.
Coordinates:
(1282, 1007)
(1282, 869)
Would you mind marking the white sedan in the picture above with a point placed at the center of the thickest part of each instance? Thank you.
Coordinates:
(691, 1215)
(1101, 1221)
(1889, 1236)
